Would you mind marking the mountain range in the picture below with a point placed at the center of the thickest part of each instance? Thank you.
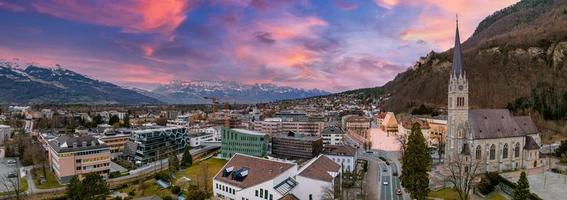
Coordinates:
(22, 83)
(200, 91)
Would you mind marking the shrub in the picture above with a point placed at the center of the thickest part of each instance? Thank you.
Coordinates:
(167, 198)
(488, 183)
(131, 193)
(162, 176)
(175, 190)
(114, 174)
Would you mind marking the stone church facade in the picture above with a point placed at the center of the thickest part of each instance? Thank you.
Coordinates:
(493, 137)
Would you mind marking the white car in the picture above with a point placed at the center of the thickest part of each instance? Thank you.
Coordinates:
(385, 183)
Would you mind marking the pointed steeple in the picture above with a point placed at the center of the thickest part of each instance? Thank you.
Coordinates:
(457, 54)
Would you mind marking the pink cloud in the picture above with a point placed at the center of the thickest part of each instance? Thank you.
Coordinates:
(431, 24)
(11, 6)
(162, 16)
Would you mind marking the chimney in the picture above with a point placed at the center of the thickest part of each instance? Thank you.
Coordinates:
(74, 144)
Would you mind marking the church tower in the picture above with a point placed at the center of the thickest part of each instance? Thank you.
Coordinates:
(458, 104)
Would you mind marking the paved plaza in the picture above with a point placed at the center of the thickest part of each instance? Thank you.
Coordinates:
(381, 140)
(547, 185)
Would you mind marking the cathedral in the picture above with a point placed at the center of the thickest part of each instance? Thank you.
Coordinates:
(493, 137)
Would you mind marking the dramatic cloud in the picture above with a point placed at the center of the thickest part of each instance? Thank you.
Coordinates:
(436, 16)
(136, 16)
(334, 45)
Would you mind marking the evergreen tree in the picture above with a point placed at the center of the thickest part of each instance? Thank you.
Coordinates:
(126, 121)
(522, 191)
(97, 120)
(416, 163)
(187, 159)
(113, 120)
(74, 188)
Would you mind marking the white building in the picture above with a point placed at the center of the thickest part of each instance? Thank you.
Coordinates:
(4, 133)
(343, 155)
(196, 139)
(406, 124)
(332, 135)
(247, 177)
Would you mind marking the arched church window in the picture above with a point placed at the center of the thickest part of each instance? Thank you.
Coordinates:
(492, 152)
(517, 150)
(478, 152)
(505, 151)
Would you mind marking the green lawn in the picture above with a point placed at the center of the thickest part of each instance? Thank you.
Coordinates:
(150, 187)
(445, 193)
(51, 179)
(194, 172)
(496, 196)
(23, 187)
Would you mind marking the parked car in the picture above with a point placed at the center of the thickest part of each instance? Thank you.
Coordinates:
(385, 183)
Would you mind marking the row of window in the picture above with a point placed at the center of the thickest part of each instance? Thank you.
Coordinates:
(93, 166)
(88, 160)
(225, 188)
(264, 194)
(492, 152)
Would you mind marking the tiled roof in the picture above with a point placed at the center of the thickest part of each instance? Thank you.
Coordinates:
(321, 168)
(289, 197)
(493, 123)
(259, 170)
(531, 144)
(339, 150)
(408, 122)
(390, 120)
(357, 118)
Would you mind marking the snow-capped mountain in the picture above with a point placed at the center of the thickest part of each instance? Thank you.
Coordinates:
(23, 83)
(196, 91)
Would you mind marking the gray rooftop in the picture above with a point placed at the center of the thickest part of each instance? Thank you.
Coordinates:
(494, 123)
(68, 143)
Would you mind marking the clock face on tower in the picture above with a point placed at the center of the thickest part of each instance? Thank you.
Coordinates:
(460, 87)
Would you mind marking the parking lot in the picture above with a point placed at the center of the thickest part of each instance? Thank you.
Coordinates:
(547, 186)
(6, 168)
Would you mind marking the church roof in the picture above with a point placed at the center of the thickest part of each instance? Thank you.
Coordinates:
(531, 144)
(457, 54)
(527, 124)
(493, 123)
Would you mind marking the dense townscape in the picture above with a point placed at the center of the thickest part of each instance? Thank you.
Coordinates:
(495, 130)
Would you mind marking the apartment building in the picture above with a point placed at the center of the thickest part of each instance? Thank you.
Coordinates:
(278, 125)
(332, 135)
(78, 155)
(115, 141)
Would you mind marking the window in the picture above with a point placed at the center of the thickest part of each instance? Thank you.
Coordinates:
(256, 192)
(505, 151)
(310, 197)
(261, 192)
(478, 152)
(266, 194)
(492, 152)
(517, 150)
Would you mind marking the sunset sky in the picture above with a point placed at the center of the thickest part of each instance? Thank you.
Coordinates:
(333, 45)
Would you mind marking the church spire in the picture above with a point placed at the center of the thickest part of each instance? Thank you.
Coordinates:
(457, 54)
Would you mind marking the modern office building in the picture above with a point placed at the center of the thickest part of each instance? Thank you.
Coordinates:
(78, 155)
(291, 122)
(152, 143)
(244, 142)
(197, 139)
(296, 146)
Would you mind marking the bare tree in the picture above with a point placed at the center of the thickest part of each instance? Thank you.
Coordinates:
(463, 174)
(12, 185)
(402, 139)
(327, 193)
